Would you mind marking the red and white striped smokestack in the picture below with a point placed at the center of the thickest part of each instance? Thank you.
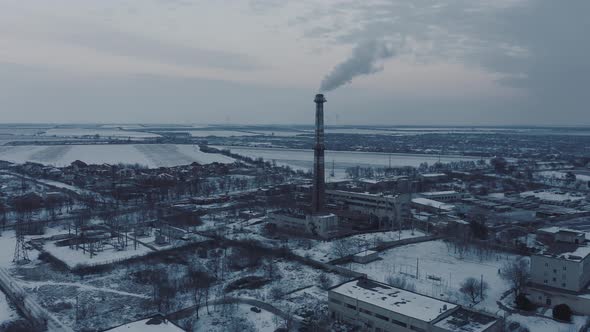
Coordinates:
(319, 185)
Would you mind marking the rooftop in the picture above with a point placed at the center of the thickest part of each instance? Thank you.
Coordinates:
(143, 326)
(464, 320)
(557, 229)
(567, 251)
(433, 203)
(432, 175)
(397, 300)
(365, 253)
(436, 193)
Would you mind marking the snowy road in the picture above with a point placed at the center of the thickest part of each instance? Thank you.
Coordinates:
(36, 284)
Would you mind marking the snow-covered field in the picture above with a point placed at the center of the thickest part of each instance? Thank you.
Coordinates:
(7, 313)
(141, 326)
(7, 244)
(323, 251)
(103, 133)
(151, 155)
(240, 315)
(562, 175)
(554, 195)
(73, 257)
(437, 260)
(539, 324)
(303, 159)
(282, 133)
(220, 133)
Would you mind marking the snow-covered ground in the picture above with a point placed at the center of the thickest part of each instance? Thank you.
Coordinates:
(103, 133)
(7, 313)
(220, 133)
(562, 175)
(7, 245)
(539, 324)
(142, 326)
(240, 315)
(323, 251)
(303, 159)
(74, 257)
(281, 133)
(441, 268)
(151, 155)
(554, 195)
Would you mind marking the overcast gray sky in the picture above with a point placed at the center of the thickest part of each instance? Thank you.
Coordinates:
(447, 62)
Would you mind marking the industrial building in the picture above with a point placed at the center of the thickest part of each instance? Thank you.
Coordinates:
(432, 206)
(444, 196)
(392, 209)
(561, 274)
(323, 225)
(378, 307)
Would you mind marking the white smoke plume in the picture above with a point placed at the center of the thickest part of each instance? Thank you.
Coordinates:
(363, 61)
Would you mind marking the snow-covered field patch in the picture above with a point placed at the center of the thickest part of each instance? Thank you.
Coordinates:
(554, 195)
(540, 324)
(237, 315)
(73, 257)
(103, 133)
(437, 268)
(220, 133)
(151, 155)
(7, 313)
(142, 326)
(323, 251)
(562, 175)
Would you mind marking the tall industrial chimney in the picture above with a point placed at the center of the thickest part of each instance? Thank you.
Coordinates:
(317, 204)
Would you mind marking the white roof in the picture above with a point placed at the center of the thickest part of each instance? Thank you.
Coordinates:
(466, 321)
(366, 253)
(582, 252)
(434, 193)
(433, 203)
(394, 299)
(576, 254)
(557, 229)
(141, 326)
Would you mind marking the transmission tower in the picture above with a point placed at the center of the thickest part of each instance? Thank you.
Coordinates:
(21, 254)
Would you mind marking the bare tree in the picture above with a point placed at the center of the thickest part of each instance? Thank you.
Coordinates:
(474, 289)
(400, 282)
(343, 247)
(324, 281)
(276, 292)
(198, 282)
(517, 273)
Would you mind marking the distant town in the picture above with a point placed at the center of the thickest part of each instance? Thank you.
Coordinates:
(294, 228)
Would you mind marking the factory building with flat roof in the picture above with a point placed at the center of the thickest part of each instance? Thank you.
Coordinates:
(377, 307)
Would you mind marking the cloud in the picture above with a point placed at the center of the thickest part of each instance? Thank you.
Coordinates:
(539, 46)
(263, 6)
(116, 42)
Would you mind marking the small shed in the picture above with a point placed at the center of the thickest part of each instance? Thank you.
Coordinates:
(365, 257)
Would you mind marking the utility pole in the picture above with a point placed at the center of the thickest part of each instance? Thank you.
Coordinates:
(481, 288)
